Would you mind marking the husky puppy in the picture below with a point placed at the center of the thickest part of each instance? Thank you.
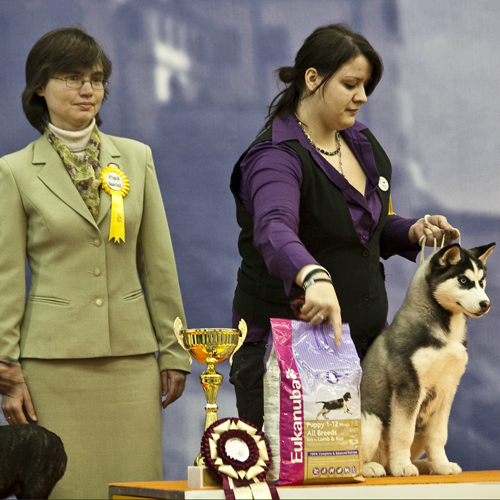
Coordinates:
(412, 370)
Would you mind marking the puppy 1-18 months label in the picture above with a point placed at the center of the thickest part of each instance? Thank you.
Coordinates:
(332, 450)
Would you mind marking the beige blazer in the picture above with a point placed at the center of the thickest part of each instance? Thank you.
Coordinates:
(89, 297)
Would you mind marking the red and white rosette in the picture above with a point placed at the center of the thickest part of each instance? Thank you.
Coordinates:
(238, 453)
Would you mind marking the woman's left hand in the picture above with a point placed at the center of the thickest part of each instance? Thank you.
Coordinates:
(434, 227)
(172, 385)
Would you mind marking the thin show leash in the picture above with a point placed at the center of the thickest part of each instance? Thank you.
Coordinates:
(423, 240)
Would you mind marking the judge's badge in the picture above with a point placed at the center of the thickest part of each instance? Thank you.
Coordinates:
(115, 183)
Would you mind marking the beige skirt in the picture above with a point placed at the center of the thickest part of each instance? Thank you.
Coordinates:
(107, 411)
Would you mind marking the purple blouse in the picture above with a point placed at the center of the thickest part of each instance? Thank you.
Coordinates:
(270, 192)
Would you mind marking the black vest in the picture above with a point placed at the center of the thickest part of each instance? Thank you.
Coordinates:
(327, 231)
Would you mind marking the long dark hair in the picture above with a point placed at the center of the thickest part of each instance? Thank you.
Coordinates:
(60, 51)
(326, 50)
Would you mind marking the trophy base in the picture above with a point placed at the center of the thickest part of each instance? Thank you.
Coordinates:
(200, 477)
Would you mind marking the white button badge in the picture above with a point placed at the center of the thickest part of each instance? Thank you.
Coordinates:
(383, 184)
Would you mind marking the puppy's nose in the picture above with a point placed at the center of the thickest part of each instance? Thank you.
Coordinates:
(484, 305)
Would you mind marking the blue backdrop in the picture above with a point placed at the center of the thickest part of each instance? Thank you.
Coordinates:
(192, 78)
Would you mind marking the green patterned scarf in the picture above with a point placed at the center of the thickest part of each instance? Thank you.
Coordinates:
(85, 170)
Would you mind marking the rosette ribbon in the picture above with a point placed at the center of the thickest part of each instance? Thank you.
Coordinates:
(238, 453)
(116, 185)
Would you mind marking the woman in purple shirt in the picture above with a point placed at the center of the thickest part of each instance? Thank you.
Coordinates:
(313, 203)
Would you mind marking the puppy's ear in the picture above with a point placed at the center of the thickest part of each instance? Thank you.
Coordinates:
(482, 253)
(450, 255)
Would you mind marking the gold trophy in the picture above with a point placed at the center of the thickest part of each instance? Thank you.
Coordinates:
(210, 346)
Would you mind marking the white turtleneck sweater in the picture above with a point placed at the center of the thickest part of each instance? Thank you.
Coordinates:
(75, 141)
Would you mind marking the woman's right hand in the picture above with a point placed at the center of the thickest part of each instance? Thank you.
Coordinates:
(10, 375)
(322, 306)
(17, 403)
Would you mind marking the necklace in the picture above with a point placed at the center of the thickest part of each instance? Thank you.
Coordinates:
(341, 170)
(323, 151)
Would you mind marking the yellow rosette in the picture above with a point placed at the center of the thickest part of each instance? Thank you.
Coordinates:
(115, 183)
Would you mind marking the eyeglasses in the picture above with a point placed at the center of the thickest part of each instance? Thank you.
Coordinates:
(75, 82)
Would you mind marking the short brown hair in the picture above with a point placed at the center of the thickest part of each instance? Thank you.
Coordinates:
(60, 51)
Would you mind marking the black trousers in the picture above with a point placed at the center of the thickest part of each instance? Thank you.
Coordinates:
(247, 376)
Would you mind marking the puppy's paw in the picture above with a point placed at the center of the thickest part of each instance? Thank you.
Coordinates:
(373, 469)
(444, 469)
(423, 466)
(403, 469)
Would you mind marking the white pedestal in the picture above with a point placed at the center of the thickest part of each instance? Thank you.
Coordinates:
(199, 477)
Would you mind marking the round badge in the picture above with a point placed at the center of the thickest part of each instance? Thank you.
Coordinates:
(114, 181)
(383, 184)
(113, 178)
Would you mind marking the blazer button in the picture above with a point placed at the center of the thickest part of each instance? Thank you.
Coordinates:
(365, 253)
(97, 242)
(97, 273)
(366, 297)
(99, 302)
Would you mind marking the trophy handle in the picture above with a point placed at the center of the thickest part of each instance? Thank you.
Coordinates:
(179, 336)
(242, 327)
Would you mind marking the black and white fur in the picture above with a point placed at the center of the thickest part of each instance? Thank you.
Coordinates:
(334, 404)
(412, 370)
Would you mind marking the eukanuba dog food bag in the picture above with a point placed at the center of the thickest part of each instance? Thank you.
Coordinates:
(311, 405)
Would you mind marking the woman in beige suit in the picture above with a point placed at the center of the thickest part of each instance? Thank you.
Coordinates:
(104, 290)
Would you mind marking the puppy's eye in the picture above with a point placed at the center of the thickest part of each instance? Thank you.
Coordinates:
(463, 280)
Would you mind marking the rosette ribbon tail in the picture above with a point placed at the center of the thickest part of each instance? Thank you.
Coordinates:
(117, 226)
(229, 492)
(234, 489)
(258, 493)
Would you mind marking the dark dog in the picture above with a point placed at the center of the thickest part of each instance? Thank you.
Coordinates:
(335, 404)
(32, 460)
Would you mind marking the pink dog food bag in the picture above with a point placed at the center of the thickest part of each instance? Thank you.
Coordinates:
(312, 413)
